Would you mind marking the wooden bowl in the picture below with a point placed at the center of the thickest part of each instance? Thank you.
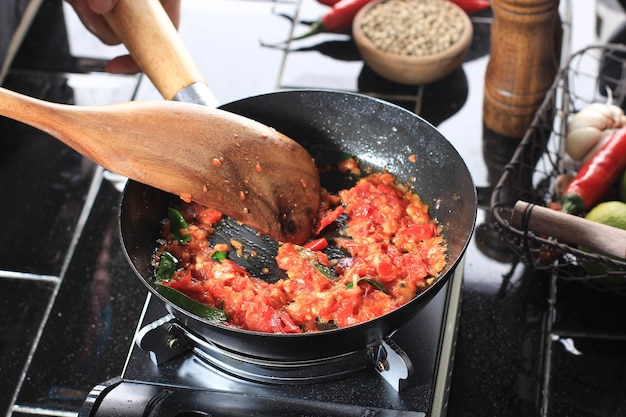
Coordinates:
(412, 69)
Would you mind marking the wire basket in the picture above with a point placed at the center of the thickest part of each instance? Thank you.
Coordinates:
(594, 74)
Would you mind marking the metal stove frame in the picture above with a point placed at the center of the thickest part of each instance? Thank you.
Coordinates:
(169, 371)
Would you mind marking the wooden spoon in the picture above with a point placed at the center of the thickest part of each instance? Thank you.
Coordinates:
(286, 202)
(242, 168)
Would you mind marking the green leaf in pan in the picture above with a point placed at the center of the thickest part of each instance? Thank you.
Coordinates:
(167, 267)
(191, 305)
(178, 225)
(372, 281)
(311, 258)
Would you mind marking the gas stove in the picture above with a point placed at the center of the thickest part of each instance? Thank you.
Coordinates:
(171, 372)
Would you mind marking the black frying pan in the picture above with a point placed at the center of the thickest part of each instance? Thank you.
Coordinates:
(380, 135)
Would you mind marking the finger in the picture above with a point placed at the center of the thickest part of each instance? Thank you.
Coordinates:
(94, 22)
(172, 8)
(124, 64)
(101, 6)
(99, 27)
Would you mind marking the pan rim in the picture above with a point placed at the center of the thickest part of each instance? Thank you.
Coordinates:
(431, 290)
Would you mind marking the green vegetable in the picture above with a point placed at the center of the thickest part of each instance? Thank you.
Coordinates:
(372, 281)
(312, 259)
(178, 225)
(219, 256)
(191, 305)
(167, 267)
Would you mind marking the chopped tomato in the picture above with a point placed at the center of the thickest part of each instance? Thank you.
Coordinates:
(393, 245)
(180, 281)
(417, 232)
(209, 216)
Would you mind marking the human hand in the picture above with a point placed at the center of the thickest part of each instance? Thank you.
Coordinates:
(91, 13)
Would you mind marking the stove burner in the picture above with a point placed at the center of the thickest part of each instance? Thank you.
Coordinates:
(167, 338)
(189, 376)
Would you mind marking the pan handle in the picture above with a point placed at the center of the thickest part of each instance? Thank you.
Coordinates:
(154, 42)
(570, 229)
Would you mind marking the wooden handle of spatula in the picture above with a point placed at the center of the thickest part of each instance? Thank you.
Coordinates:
(154, 42)
(569, 229)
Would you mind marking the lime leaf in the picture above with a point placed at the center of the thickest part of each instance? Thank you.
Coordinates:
(372, 281)
(191, 305)
(167, 267)
(311, 257)
(178, 225)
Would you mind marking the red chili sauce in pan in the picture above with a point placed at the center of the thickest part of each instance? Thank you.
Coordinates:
(394, 251)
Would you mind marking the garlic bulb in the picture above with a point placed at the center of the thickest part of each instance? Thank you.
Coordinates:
(590, 127)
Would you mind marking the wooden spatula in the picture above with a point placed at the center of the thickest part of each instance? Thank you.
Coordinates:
(286, 207)
(242, 168)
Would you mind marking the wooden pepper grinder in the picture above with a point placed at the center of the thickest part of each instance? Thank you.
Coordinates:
(524, 59)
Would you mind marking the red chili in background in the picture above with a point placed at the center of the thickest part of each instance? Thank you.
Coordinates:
(330, 3)
(338, 18)
(599, 173)
(472, 6)
(469, 6)
(342, 14)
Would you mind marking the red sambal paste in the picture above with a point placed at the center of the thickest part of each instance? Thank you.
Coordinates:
(395, 251)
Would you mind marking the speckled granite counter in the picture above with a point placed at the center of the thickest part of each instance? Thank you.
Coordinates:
(71, 302)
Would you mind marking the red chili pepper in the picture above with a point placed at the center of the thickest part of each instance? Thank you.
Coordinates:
(328, 2)
(597, 175)
(338, 18)
(327, 218)
(342, 14)
(472, 6)
(468, 6)
(317, 244)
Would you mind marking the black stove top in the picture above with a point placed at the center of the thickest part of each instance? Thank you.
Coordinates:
(408, 375)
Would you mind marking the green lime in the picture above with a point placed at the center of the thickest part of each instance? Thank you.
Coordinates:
(612, 213)
(622, 187)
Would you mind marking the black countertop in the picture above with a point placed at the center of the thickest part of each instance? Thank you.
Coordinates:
(71, 302)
